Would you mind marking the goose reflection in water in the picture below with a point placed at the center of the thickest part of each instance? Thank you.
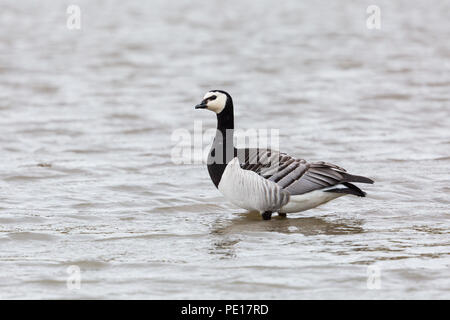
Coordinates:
(250, 222)
(308, 226)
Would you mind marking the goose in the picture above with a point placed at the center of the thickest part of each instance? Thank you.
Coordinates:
(265, 180)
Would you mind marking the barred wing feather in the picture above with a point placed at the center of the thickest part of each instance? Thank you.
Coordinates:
(297, 176)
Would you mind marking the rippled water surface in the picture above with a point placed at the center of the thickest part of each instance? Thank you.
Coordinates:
(86, 176)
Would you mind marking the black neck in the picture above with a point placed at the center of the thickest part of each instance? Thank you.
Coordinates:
(225, 120)
(222, 150)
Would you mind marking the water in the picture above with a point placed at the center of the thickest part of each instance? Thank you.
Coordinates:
(86, 177)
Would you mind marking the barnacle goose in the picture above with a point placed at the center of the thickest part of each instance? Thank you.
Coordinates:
(267, 180)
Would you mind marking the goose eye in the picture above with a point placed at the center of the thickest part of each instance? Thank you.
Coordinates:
(212, 98)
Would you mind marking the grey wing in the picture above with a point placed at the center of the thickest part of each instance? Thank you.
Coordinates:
(297, 176)
(264, 162)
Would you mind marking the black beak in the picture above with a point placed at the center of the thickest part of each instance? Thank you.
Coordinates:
(202, 105)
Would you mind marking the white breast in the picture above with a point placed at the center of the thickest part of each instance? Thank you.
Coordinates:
(250, 191)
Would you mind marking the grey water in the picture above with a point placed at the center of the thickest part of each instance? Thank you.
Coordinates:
(87, 179)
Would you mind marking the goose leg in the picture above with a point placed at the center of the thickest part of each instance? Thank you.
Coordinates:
(267, 215)
(282, 214)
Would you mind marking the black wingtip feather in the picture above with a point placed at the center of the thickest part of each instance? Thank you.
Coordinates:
(352, 178)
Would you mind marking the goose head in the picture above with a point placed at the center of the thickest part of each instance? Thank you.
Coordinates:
(216, 101)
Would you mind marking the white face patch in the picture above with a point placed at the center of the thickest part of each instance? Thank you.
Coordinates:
(218, 104)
